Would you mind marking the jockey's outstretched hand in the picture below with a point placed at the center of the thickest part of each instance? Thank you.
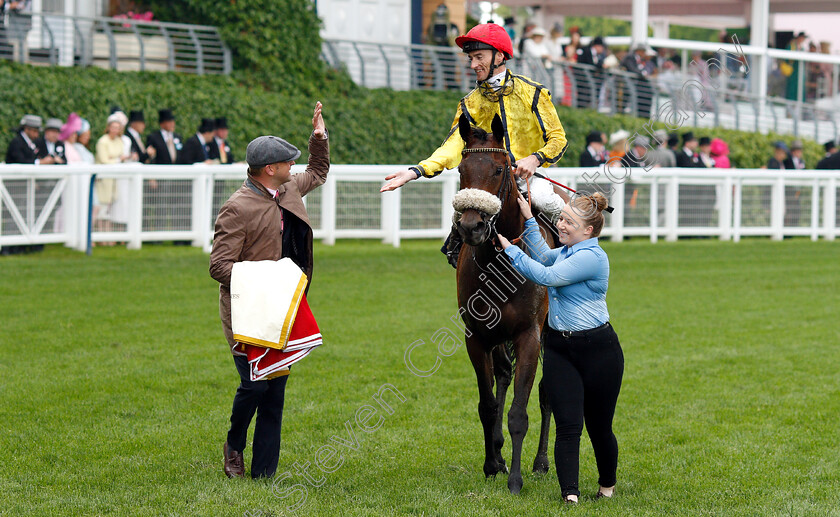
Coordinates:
(526, 166)
(397, 180)
(504, 243)
(524, 206)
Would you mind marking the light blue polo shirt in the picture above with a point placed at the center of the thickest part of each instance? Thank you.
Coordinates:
(577, 278)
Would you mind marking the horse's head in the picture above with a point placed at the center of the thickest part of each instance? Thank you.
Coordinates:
(485, 180)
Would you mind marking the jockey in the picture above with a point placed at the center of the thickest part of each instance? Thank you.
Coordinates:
(534, 136)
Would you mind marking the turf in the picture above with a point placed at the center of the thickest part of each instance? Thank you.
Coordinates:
(116, 388)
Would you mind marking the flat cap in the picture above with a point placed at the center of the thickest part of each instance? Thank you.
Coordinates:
(53, 123)
(268, 149)
(31, 121)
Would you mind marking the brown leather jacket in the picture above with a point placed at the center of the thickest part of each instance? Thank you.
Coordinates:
(248, 226)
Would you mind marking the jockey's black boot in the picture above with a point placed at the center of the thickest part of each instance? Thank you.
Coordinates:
(452, 247)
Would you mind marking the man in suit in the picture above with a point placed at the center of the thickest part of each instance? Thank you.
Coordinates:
(687, 157)
(830, 162)
(594, 154)
(780, 156)
(704, 156)
(196, 150)
(134, 131)
(219, 147)
(23, 147)
(165, 141)
(169, 200)
(830, 148)
(593, 55)
(49, 146)
(796, 160)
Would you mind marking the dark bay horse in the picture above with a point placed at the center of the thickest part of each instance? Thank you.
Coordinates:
(503, 313)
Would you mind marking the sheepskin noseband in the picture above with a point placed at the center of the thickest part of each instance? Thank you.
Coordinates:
(476, 199)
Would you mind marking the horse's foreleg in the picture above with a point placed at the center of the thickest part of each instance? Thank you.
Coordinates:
(527, 357)
(541, 460)
(502, 370)
(487, 408)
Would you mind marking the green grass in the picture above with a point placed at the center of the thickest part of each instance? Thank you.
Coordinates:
(116, 387)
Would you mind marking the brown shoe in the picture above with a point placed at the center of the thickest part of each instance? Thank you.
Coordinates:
(234, 464)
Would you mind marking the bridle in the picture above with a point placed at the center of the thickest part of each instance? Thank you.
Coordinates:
(504, 188)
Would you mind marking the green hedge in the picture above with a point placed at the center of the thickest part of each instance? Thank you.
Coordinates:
(271, 41)
(366, 126)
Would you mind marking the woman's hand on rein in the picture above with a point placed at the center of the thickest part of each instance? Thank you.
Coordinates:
(504, 243)
(524, 206)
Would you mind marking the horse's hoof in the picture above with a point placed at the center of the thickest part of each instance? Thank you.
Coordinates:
(515, 484)
(540, 465)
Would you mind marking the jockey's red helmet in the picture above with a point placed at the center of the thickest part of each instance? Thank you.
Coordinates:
(487, 36)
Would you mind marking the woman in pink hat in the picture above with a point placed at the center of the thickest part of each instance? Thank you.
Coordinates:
(719, 152)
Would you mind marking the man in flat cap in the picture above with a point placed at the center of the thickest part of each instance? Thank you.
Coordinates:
(265, 220)
(23, 147)
(49, 146)
(196, 150)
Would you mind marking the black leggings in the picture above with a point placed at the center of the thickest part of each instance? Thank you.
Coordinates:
(582, 374)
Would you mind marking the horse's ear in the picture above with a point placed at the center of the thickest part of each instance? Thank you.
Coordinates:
(464, 128)
(498, 129)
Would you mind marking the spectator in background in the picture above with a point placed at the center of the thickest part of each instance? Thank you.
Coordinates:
(219, 149)
(594, 154)
(49, 146)
(536, 47)
(571, 49)
(659, 155)
(110, 149)
(793, 67)
(674, 144)
(134, 132)
(831, 159)
(526, 35)
(779, 158)
(22, 148)
(635, 157)
(796, 160)
(196, 150)
(19, 13)
(704, 152)
(70, 136)
(638, 64)
(617, 144)
(593, 55)
(555, 47)
(83, 143)
(719, 151)
(442, 33)
(165, 141)
(510, 21)
(687, 157)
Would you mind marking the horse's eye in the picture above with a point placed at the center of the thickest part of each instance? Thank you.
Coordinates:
(500, 170)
